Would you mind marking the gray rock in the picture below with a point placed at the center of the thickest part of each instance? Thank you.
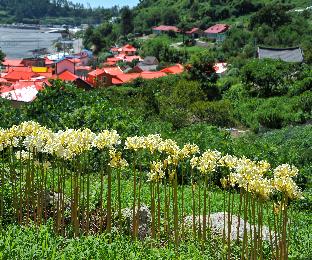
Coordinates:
(145, 220)
(216, 225)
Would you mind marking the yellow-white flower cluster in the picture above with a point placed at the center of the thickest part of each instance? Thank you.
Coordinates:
(12, 136)
(245, 173)
(207, 162)
(63, 144)
(157, 172)
(69, 143)
(153, 143)
(250, 175)
(116, 160)
(106, 139)
(23, 155)
(283, 181)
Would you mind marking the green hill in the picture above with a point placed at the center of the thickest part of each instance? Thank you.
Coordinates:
(199, 13)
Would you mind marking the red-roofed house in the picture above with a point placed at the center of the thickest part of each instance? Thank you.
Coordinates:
(14, 76)
(217, 32)
(12, 63)
(70, 77)
(23, 91)
(132, 58)
(65, 64)
(103, 77)
(49, 63)
(175, 69)
(67, 76)
(128, 49)
(165, 29)
(194, 33)
(111, 61)
(126, 78)
(82, 71)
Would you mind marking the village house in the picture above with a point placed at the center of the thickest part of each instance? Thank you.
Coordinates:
(126, 78)
(65, 64)
(217, 32)
(72, 78)
(33, 62)
(195, 33)
(22, 92)
(175, 69)
(10, 63)
(150, 63)
(165, 29)
(128, 50)
(82, 71)
(103, 76)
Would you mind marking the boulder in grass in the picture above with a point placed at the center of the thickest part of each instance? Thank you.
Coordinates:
(145, 219)
(216, 225)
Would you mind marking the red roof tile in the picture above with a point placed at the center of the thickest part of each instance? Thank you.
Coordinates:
(12, 63)
(113, 71)
(217, 28)
(20, 69)
(20, 75)
(152, 74)
(112, 59)
(67, 76)
(176, 69)
(48, 61)
(194, 30)
(24, 91)
(84, 68)
(128, 47)
(131, 58)
(166, 28)
(124, 78)
(75, 60)
(96, 72)
(4, 89)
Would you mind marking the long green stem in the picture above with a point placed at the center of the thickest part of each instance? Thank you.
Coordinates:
(109, 200)
(119, 199)
(176, 209)
(205, 208)
(134, 201)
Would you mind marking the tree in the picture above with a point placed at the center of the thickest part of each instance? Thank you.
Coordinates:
(266, 78)
(126, 21)
(202, 70)
(273, 15)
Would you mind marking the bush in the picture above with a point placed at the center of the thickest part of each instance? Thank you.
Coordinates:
(266, 78)
(214, 113)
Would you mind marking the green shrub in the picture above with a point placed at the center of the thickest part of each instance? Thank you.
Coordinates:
(214, 113)
(266, 78)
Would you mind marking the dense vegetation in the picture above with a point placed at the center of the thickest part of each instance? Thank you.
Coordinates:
(269, 102)
(52, 12)
(136, 110)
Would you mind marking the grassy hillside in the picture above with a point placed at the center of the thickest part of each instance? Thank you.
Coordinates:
(199, 12)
